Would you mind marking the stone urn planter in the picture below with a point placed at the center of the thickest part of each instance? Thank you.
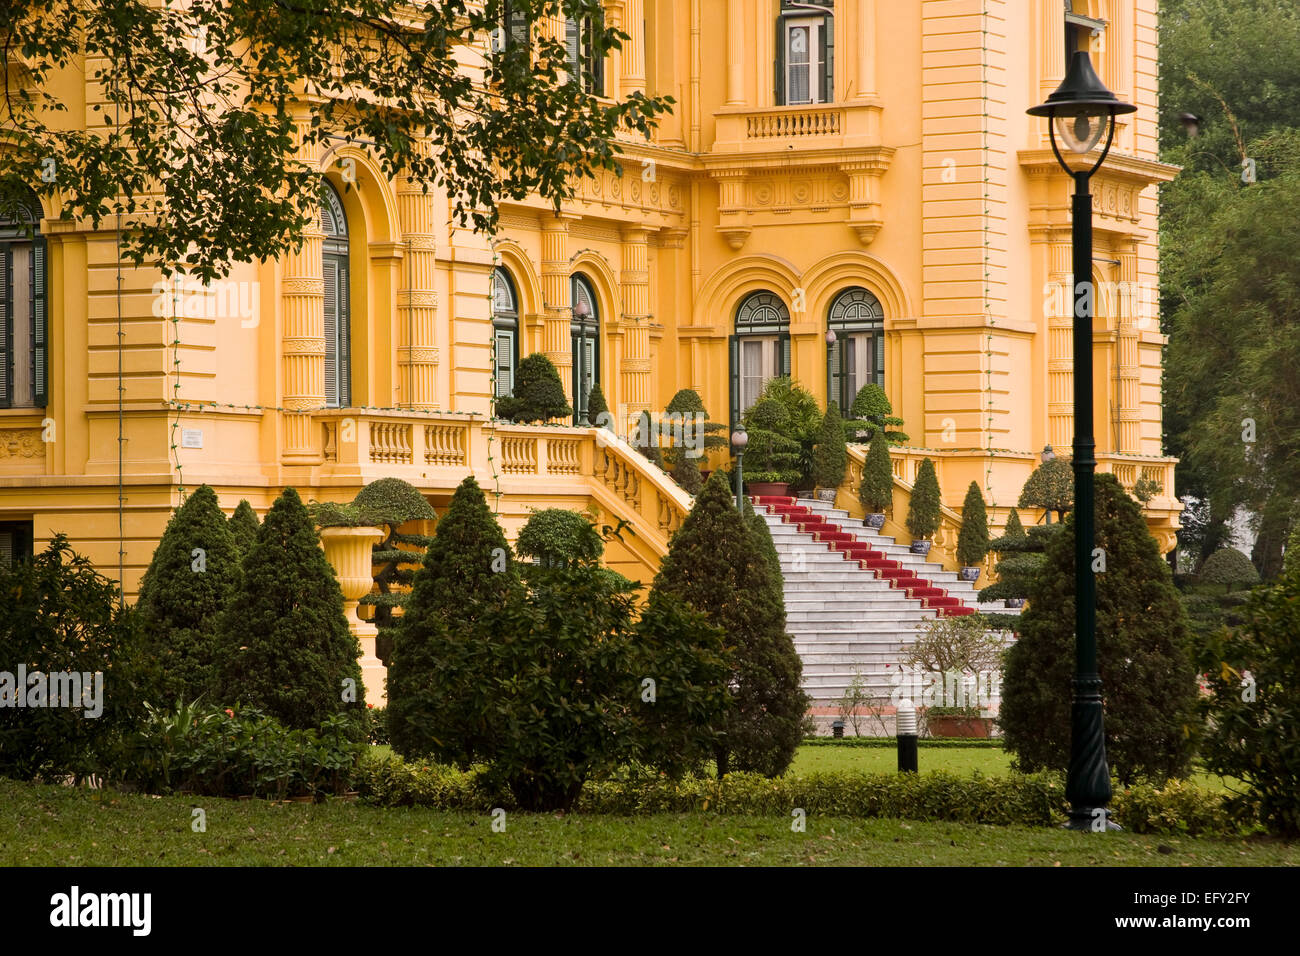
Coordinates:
(874, 521)
(1014, 602)
(348, 552)
(951, 725)
(970, 574)
(828, 494)
(768, 489)
(922, 547)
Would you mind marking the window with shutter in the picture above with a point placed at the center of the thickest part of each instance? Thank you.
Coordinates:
(585, 336)
(858, 355)
(505, 326)
(24, 310)
(760, 349)
(584, 62)
(338, 313)
(805, 53)
(6, 328)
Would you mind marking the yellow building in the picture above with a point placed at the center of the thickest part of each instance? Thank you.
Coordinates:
(853, 165)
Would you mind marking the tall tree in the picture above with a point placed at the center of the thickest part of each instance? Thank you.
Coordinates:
(206, 181)
(243, 525)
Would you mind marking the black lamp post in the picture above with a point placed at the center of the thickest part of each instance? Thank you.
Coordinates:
(1081, 112)
(739, 439)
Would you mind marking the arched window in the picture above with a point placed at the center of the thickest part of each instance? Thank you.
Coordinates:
(858, 355)
(24, 309)
(760, 348)
(338, 311)
(585, 330)
(805, 52)
(505, 331)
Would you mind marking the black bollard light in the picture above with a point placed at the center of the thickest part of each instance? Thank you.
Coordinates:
(905, 727)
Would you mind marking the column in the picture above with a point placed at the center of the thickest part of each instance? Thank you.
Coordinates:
(865, 74)
(634, 279)
(633, 78)
(302, 344)
(556, 342)
(735, 53)
(1131, 300)
(417, 300)
(1060, 339)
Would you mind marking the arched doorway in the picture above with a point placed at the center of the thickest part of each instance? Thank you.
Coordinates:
(585, 336)
(858, 353)
(760, 348)
(338, 311)
(505, 331)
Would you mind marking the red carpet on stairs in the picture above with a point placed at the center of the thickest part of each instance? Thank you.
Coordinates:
(847, 544)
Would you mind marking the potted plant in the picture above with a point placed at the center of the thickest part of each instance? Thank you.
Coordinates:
(772, 456)
(958, 658)
(973, 540)
(801, 424)
(876, 491)
(923, 513)
(831, 455)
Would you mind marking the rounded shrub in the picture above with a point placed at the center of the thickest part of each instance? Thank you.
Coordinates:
(1228, 567)
(538, 394)
(1050, 487)
(559, 538)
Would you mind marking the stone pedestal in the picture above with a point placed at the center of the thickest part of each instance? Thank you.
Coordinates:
(348, 552)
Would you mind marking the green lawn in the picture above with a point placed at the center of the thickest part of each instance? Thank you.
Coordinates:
(49, 825)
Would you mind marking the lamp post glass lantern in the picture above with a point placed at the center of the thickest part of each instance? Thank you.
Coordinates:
(739, 439)
(1081, 112)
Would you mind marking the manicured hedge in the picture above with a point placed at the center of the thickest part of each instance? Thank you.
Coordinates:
(994, 743)
(1035, 800)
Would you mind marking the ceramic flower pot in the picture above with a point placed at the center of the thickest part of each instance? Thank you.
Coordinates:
(970, 574)
(874, 521)
(922, 547)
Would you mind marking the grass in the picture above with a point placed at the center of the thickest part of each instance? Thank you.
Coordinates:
(61, 826)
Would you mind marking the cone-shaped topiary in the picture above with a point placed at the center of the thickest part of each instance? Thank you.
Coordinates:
(1252, 734)
(720, 565)
(538, 393)
(243, 525)
(973, 539)
(872, 414)
(923, 512)
(597, 407)
(468, 572)
(1148, 682)
(388, 503)
(831, 456)
(184, 591)
(288, 650)
(1228, 567)
(1050, 487)
(876, 491)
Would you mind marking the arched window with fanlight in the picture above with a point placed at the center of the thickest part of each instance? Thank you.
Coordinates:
(857, 355)
(24, 309)
(505, 331)
(338, 311)
(585, 331)
(759, 349)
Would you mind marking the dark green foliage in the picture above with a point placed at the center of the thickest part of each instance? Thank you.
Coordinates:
(559, 538)
(800, 425)
(596, 407)
(243, 525)
(1148, 682)
(1020, 557)
(923, 511)
(538, 394)
(1253, 734)
(645, 439)
(686, 403)
(721, 566)
(388, 503)
(872, 414)
(770, 455)
(1230, 568)
(189, 583)
(1050, 487)
(831, 457)
(288, 650)
(58, 615)
(239, 751)
(686, 472)
(468, 572)
(876, 491)
(973, 539)
(687, 417)
(1014, 530)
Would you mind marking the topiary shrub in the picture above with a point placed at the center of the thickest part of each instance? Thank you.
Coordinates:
(923, 512)
(288, 651)
(559, 538)
(1252, 733)
(184, 591)
(468, 571)
(686, 472)
(1050, 487)
(973, 539)
(800, 424)
(772, 456)
(538, 394)
(831, 456)
(59, 616)
(389, 503)
(597, 409)
(243, 525)
(876, 491)
(712, 435)
(872, 414)
(1230, 568)
(1148, 682)
(645, 439)
(721, 565)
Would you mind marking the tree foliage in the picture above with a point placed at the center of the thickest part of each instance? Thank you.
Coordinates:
(1148, 681)
(189, 583)
(871, 414)
(426, 91)
(973, 539)
(831, 456)
(876, 491)
(1050, 487)
(772, 454)
(538, 395)
(923, 511)
(558, 538)
(243, 525)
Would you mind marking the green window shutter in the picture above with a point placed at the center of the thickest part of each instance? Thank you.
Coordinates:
(834, 373)
(6, 331)
(40, 325)
(733, 349)
(880, 358)
(505, 361)
(331, 332)
(597, 61)
(780, 62)
(828, 60)
(345, 337)
(783, 354)
(572, 48)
